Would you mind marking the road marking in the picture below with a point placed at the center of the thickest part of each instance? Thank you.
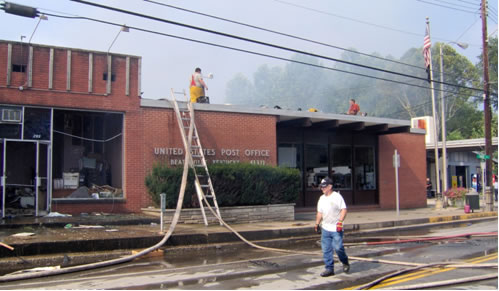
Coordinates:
(430, 272)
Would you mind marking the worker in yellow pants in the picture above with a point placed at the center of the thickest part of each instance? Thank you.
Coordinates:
(197, 85)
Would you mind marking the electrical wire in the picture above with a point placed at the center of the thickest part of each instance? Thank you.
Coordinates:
(89, 139)
(474, 5)
(79, 268)
(259, 42)
(260, 54)
(296, 37)
(349, 18)
(449, 7)
(283, 34)
(469, 27)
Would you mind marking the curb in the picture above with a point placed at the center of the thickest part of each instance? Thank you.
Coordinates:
(462, 217)
(144, 241)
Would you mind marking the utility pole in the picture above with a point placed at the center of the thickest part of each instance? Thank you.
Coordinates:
(489, 206)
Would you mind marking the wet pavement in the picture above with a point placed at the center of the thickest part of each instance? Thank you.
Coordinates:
(101, 232)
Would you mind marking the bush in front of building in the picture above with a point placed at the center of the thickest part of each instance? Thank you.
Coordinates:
(235, 185)
(163, 179)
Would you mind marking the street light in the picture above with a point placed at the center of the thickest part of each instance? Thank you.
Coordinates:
(124, 28)
(444, 131)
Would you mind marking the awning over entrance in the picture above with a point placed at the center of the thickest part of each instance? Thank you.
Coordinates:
(318, 120)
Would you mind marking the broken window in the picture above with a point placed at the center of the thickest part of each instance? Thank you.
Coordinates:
(87, 156)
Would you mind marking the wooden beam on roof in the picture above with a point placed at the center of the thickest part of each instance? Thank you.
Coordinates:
(399, 129)
(299, 122)
(326, 124)
(377, 128)
(353, 126)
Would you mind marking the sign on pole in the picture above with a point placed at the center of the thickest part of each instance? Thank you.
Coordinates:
(483, 157)
(396, 165)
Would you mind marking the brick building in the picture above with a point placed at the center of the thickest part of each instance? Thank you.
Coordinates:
(75, 136)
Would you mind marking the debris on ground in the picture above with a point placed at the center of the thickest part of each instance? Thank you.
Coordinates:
(88, 226)
(38, 269)
(23, 234)
(6, 246)
(57, 214)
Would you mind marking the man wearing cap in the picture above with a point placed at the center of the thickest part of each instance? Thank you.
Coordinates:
(331, 210)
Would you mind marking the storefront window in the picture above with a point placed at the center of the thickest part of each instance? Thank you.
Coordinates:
(315, 164)
(37, 123)
(365, 174)
(289, 155)
(87, 159)
(341, 166)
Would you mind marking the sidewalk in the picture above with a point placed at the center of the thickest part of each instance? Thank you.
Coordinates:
(93, 233)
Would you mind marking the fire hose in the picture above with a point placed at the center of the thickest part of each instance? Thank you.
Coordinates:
(15, 277)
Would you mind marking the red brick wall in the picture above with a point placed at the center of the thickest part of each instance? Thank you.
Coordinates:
(217, 130)
(77, 96)
(412, 171)
(40, 72)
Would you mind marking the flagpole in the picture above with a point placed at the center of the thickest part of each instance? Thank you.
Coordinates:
(435, 140)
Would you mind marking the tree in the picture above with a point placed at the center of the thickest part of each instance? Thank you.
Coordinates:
(300, 86)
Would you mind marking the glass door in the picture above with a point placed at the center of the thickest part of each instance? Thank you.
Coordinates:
(25, 178)
(42, 179)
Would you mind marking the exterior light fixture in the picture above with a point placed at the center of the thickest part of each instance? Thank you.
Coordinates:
(123, 28)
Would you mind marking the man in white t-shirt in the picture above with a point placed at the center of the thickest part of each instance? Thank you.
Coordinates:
(331, 210)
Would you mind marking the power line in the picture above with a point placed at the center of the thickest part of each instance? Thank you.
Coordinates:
(455, 95)
(475, 5)
(358, 21)
(349, 18)
(468, 28)
(449, 7)
(264, 43)
(248, 52)
(292, 36)
(283, 34)
(472, 3)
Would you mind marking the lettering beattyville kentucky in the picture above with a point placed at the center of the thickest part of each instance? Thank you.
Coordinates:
(227, 155)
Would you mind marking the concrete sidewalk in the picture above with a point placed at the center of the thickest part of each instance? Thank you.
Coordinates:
(89, 238)
(111, 232)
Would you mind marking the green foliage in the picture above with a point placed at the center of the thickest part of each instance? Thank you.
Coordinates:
(463, 124)
(234, 184)
(297, 85)
(163, 179)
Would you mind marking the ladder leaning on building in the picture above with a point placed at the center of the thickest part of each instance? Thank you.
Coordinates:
(195, 156)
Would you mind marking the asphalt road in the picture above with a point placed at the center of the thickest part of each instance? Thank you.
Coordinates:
(236, 266)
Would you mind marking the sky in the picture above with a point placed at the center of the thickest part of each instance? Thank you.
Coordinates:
(385, 27)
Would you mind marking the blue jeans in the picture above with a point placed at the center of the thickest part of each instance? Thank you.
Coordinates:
(330, 241)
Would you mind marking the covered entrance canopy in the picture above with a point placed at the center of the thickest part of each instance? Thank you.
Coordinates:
(343, 147)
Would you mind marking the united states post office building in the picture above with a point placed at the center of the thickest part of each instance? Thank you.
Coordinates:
(76, 137)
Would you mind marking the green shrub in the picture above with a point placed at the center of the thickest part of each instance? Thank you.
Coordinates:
(234, 184)
(167, 180)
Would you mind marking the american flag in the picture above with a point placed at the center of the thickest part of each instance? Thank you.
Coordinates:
(426, 49)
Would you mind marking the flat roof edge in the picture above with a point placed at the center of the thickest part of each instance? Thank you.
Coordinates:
(284, 114)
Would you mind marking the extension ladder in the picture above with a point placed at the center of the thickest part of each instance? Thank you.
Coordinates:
(195, 155)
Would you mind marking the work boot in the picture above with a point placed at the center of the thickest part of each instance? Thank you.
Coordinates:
(346, 268)
(327, 273)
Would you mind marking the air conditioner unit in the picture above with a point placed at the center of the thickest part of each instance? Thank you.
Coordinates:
(11, 115)
(426, 123)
